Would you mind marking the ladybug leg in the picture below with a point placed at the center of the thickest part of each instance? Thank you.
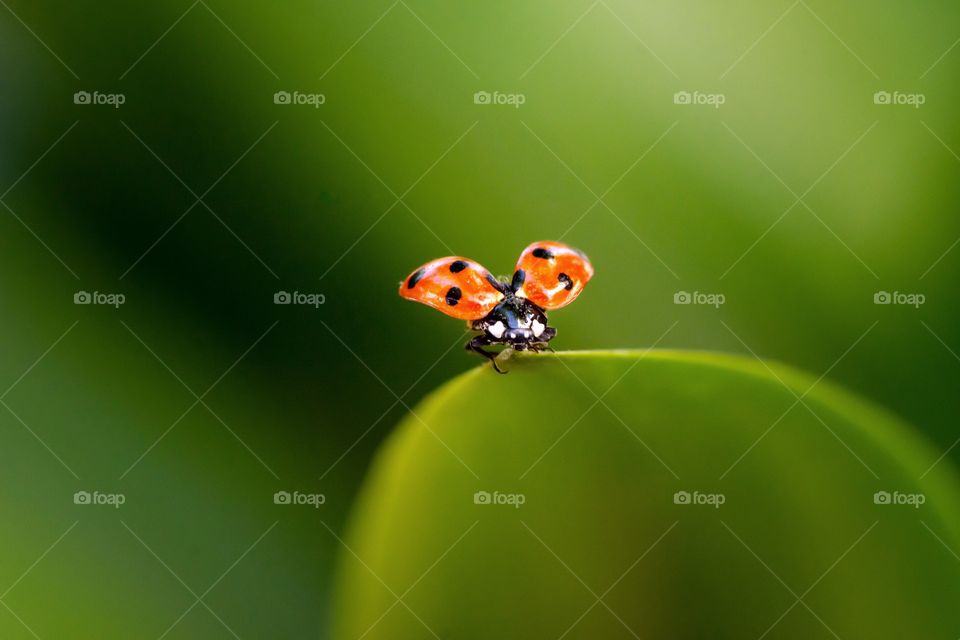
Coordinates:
(543, 342)
(476, 346)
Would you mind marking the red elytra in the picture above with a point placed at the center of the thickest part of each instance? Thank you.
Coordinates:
(458, 287)
(553, 275)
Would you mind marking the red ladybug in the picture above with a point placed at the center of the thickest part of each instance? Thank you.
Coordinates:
(549, 275)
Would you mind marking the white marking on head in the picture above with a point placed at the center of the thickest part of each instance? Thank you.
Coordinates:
(496, 330)
(538, 328)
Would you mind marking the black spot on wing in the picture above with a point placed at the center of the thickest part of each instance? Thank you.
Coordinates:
(565, 279)
(457, 266)
(453, 296)
(542, 253)
(415, 278)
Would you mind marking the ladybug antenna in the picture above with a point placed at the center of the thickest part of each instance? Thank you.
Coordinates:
(499, 285)
(518, 277)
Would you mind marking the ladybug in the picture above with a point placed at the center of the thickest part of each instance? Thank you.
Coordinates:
(512, 313)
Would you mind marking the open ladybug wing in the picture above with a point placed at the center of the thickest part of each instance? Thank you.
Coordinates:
(553, 274)
(458, 287)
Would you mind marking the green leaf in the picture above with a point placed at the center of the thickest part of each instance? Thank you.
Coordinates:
(585, 534)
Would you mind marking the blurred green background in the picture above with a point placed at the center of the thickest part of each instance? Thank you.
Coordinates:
(200, 197)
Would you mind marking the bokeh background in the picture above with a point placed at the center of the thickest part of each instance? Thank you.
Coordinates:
(200, 197)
